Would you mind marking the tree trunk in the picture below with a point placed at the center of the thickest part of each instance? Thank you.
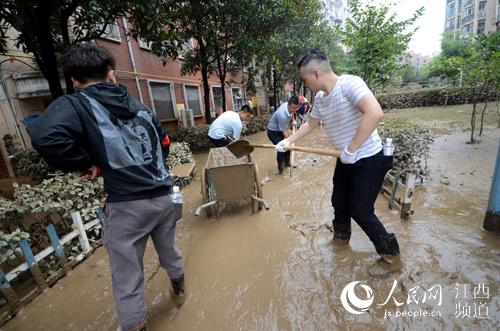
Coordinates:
(47, 51)
(481, 90)
(221, 72)
(275, 99)
(498, 108)
(206, 93)
(473, 116)
(63, 26)
(204, 77)
(482, 117)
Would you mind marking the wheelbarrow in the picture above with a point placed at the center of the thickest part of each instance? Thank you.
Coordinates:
(227, 178)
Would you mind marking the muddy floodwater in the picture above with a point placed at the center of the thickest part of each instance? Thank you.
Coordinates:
(277, 269)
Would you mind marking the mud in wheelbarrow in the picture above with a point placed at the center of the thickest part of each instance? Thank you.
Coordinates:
(226, 178)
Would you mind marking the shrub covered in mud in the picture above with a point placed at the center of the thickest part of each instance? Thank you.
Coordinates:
(432, 97)
(256, 124)
(34, 207)
(412, 143)
(28, 163)
(180, 154)
(197, 138)
(51, 201)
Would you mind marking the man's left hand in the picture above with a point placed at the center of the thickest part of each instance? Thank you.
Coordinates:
(347, 157)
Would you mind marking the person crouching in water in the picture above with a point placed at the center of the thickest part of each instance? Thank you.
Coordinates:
(227, 127)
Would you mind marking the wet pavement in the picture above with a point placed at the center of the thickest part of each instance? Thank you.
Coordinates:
(277, 269)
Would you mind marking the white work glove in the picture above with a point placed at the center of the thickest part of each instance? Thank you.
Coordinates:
(283, 146)
(347, 157)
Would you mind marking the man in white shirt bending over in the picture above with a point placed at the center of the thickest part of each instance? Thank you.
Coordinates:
(227, 127)
(350, 114)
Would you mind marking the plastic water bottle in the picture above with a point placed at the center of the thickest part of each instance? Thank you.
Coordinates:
(176, 195)
(388, 147)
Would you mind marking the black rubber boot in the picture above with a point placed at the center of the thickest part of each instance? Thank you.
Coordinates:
(281, 168)
(389, 246)
(179, 295)
(341, 234)
(390, 260)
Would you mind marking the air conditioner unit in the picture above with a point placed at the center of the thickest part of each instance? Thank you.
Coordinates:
(187, 118)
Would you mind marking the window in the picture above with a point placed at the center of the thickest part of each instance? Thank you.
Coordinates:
(143, 43)
(450, 11)
(450, 25)
(480, 26)
(217, 96)
(467, 28)
(112, 32)
(163, 104)
(481, 10)
(469, 11)
(237, 101)
(193, 99)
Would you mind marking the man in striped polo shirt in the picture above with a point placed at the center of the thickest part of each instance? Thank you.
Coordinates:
(350, 114)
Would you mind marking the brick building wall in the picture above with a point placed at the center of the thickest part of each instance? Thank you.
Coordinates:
(150, 68)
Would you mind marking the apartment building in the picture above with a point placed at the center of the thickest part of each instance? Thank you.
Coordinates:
(472, 16)
(416, 60)
(24, 91)
(334, 11)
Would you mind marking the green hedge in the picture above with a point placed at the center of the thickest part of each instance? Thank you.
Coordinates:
(432, 97)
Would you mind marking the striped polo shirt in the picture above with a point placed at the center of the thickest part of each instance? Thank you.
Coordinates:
(340, 116)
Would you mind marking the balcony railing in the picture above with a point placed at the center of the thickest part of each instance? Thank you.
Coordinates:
(468, 18)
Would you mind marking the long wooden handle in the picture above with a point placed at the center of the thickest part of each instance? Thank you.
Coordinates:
(304, 149)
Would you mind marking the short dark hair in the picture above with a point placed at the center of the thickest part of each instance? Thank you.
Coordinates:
(246, 108)
(88, 62)
(312, 54)
(293, 99)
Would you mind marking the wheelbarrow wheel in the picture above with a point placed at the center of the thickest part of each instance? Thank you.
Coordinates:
(204, 193)
(258, 187)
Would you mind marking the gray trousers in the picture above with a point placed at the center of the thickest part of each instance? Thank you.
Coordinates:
(126, 231)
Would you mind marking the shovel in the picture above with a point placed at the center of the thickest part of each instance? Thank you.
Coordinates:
(243, 147)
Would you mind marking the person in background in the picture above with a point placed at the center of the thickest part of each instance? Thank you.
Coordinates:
(227, 127)
(103, 128)
(301, 115)
(277, 129)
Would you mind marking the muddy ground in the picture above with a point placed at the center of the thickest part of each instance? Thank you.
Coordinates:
(277, 270)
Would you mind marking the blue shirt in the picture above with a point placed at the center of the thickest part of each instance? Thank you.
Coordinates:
(280, 119)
